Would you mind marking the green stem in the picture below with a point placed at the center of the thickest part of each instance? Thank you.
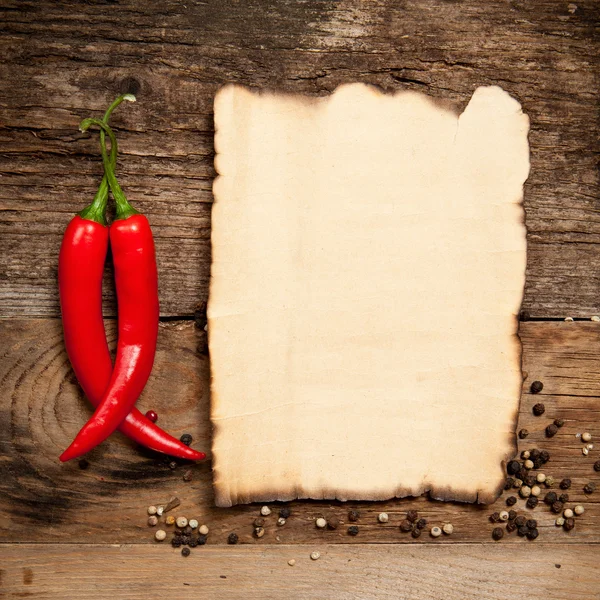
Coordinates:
(124, 209)
(97, 209)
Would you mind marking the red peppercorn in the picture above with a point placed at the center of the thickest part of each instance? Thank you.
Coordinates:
(152, 416)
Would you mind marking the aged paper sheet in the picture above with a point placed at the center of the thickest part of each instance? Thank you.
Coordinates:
(368, 267)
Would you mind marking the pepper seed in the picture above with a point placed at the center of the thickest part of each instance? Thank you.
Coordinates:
(536, 490)
(172, 465)
(353, 530)
(557, 507)
(259, 522)
(448, 529)
(536, 387)
(540, 478)
(285, 512)
(203, 529)
(508, 483)
(586, 437)
(232, 538)
(193, 523)
(559, 422)
(495, 517)
(160, 535)
(416, 532)
(565, 484)
(321, 523)
(525, 491)
(579, 510)
(181, 522)
(435, 532)
(597, 465)
(265, 511)
(585, 451)
(563, 498)
(520, 521)
(412, 515)
(532, 534)
(528, 464)
(568, 513)
(544, 456)
(259, 532)
(170, 520)
(185, 552)
(186, 439)
(315, 555)
(511, 526)
(291, 562)
(532, 502)
(569, 319)
(405, 526)
(152, 521)
(497, 534)
(511, 501)
(152, 510)
(523, 433)
(512, 467)
(353, 516)
(589, 488)
(517, 483)
(421, 523)
(531, 524)
(550, 481)
(569, 524)
(595, 318)
(560, 521)
(332, 522)
(503, 515)
(280, 522)
(551, 430)
(383, 517)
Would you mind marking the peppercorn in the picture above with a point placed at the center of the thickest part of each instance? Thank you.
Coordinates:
(181, 522)
(504, 516)
(185, 539)
(405, 526)
(332, 522)
(560, 521)
(186, 439)
(421, 523)
(265, 511)
(176, 542)
(551, 430)
(597, 465)
(523, 433)
(353, 516)
(531, 524)
(589, 488)
(586, 437)
(202, 539)
(563, 498)
(544, 456)
(565, 484)
(557, 507)
(448, 528)
(412, 515)
(315, 555)
(185, 552)
(177, 533)
(550, 481)
(512, 515)
(522, 531)
(550, 498)
(529, 481)
(559, 422)
(416, 532)
(83, 464)
(535, 453)
(495, 517)
(532, 502)
(285, 512)
(518, 483)
(511, 526)
(537, 463)
(540, 478)
(187, 476)
(536, 490)
(187, 530)
(435, 532)
(520, 521)
(203, 529)
(528, 464)
(532, 534)
(569, 524)
(160, 535)
(172, 465)
(579, 510)
(568, 513)
(525, 491)
(497, 534)
(259, 522)
(513, 467)
(232, 538)
(536, 387)
(193, 542)
(538, 409)
(383, 517)
(509, 483)
(170, 520)
(259, 532)
(152, 416)
(152, 521)
(321, 523)
(511, 501)
(353, 530)
(281, 522)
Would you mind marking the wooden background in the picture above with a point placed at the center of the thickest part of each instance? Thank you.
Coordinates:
(64, 529)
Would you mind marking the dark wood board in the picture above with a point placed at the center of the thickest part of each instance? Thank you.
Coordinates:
(64, 61)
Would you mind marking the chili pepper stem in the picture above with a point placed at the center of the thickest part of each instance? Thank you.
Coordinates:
(97, 209)
(124, 209)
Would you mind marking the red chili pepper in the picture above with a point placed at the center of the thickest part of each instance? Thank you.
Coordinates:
(81, 264)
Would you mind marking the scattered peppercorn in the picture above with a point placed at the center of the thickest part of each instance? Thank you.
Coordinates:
(265, 511)
(187, 476)
(538, 409)
(321, 523)
(185, 539)
(568, 513)
(176, 542)
(202, 539)
(83, 464)
(203, 529)
(160, 535)
(405, 526)
(193, 542)
(523, 433)
(532, 502)
(536, 490)
(353, 516)
(513, 467)
(504, 515)
(531, 524)
(511, 526)
(509, 483)
(518, 483)
(281, 522)
(560, 521)
(232, 538)
(586, 437)
(511, 501)
(551, 430)
(259, 532)
(550, 498)
(579, 510)
(448, 528)
(544, 456)
(597, 465)
(383, 517)
(557, 507)
(172, 465)
(529, 481)
(495, 517)
(412, 515)
(152, 510)
(353, 530)
(332, 522)
(152, 416)
(421, 523)
(520, 521)
(559, 422)
(186, 439)
(181, 522)
(565, 484)
(497, 534)
(292, 561)
(435, 532)
(589, 488)
(192, 524)
(170, 520)
(536, 387)
(532, 534)
(185, 552)
(416, 532)
(259, 522)
(540, 478)
(512, 515)
(522, 531)
(285, 512)
(152, 521)
(550, 481)
(315, 555)
(525, 491)
(569, 524)
(528, 464)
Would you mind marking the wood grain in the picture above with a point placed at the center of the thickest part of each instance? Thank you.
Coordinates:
(41, 409)
(459, 572)
(63, 61)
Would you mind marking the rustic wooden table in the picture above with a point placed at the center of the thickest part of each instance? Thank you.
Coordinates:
(68, 532)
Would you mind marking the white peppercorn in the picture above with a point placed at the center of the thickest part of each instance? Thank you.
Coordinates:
(525, 454)
(560, 521)
(585, 451)
(203, 530)
(315, 555)
(181, 522)
(152, 520)
(504, 515)
(281, 522)
(579, 510)
(265, 511)
(291, 562)
(193, 523)
(550, 481)
(152, 510)
(535, 490)
(170, 520)
(568, 319)
(383, 517)
(525, 491)
(435, 532)
(448, 528)
(528, 464)
(586, 437)
(321, 523)
(568, 513)
(160, 535)
(517, 483)
(595, 318)
(259, 532)
(540, 478)
(160, 510)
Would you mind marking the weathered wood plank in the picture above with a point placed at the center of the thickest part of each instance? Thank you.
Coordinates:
(63, 61)
(460, 572)
(41, 409)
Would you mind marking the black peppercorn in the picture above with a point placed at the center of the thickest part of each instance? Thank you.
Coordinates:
(259, 522)
(193, 542)
(353, 530)
(83, 464)
(551, 430)
(185, 552)
(544, 456)
(532, 502)
(597, 465)
(559, 422)
(565, 484)
(416, 532)
(550, 498)
(285, 512)
(535, 453)
(513, 467)
(186, 439)
(412, 515)
(511, 501)
(232, 538)
(421, 523)
(531, 524)
(172, 465)
(523, 433)
(177, 533)
(185, 539)
(589, 488)
(564, 498)
(509, 483)
(539, 409)
(187, 530)
(522, 474)
(497, 533)
(495, 517)
(176, 542)
(512, 515)
(332, 522)
(520, 521)
(201, 540)
(557, 507)
(511, 526)
(537, 463)
(569, 524)
(522, 531)
(405, 526)
(529, 480)
(536, 387)
(353, 516)
(532, 534)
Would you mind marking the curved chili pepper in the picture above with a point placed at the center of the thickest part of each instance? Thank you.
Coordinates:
(81, 264)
